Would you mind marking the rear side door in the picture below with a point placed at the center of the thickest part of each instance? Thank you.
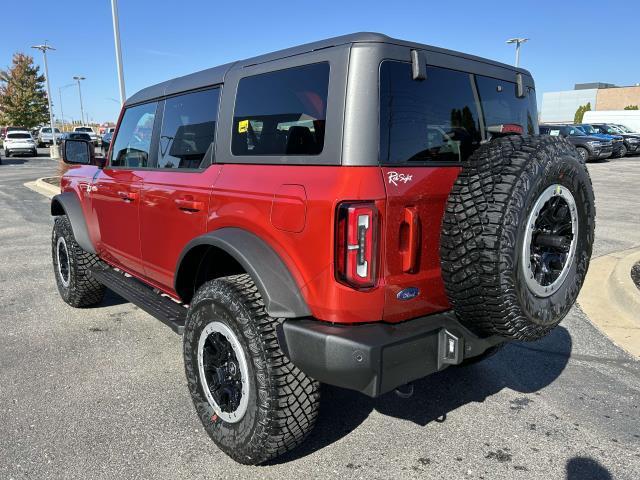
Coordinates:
(115, 191)
(427, 129)
(175, 195)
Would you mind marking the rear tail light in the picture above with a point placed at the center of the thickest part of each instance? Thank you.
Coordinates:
(356, 249)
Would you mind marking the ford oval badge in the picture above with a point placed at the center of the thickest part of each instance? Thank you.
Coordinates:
(408, 293)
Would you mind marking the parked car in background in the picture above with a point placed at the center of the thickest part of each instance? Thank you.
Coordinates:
(619, 148)
(88, 130)
(589, 147)
(631, 140)
(630, 118)
(19, 142)
(625, 129)
(45, 138)
(5, 130)
(106, 141)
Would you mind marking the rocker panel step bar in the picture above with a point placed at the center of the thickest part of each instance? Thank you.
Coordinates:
(164, 309)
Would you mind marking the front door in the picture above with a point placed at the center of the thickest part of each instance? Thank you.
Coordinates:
(116, 190)
(175, 196)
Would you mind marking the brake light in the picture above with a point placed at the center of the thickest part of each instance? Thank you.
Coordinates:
(356, 244)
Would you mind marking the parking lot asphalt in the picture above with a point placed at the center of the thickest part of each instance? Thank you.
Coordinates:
(101, 393)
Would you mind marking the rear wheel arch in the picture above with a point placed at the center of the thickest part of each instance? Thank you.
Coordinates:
(232, 251)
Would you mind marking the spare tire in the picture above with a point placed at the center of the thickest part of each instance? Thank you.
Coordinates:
(517, 236)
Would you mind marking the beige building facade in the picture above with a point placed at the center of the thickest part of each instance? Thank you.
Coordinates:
(617, 98)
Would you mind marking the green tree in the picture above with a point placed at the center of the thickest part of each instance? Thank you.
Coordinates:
(577, 118)
(632, 107)
(23, 97)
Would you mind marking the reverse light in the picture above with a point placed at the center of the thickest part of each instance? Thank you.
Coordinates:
(356, 244)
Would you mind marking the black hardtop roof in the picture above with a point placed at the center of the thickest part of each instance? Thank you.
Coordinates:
(216, 75)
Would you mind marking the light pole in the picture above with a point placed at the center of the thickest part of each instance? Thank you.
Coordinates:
(60, 95)
(77, 79)
(116, 36)
(43, 48)
(518, 42)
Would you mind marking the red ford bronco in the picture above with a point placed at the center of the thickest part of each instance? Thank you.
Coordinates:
(361, 211)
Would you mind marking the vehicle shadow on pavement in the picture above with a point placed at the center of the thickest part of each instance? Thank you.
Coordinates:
(12, 161)
(522, 367)
(111, 299)
(584, 468)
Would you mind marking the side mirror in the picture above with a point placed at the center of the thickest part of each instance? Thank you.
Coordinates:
(77, 152)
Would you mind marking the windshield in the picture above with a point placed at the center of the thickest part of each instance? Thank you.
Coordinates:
(624, 129)
(18, 135)
(48, 130)
(84, 129)
(573, 132)
(588, 129)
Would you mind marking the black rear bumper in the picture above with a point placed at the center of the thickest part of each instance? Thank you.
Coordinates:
(375, 358)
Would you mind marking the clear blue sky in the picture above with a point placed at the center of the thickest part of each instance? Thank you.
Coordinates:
(162, 39)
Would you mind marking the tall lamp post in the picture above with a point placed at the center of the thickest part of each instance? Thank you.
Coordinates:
(43, 48)
(77, 79)
(518, 42)
(116, 36)
(60, 95)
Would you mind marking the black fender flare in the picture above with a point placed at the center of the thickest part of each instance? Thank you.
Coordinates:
(279, 290)
(67, 203)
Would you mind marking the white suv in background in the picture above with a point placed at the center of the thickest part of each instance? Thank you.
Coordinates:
(20, 142)
(94, 136)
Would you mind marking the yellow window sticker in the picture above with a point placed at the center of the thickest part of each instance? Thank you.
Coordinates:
(243, 126)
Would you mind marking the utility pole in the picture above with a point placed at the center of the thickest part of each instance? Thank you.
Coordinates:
(518, 42)
(60, 95)
(78, 78)
(43, 48)
(116, 36)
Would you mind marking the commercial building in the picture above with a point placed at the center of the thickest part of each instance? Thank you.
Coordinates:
(562, 106)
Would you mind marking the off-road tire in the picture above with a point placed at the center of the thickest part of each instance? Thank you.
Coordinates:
(283, 401)
(484, 228)
(82, 289)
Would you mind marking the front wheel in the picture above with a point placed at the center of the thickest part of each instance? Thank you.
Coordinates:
(584, 154)
(252, 401)
(71, 267)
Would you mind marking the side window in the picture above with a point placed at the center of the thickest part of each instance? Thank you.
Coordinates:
(132, 144)
(188, 130)
(434, 120)
(282, 112)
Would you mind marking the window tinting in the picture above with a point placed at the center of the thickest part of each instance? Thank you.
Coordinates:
(445, 117)
(431, 120)
(131, 148)
(281, 113)
(188, 130)
(18, 135)
(501, 105)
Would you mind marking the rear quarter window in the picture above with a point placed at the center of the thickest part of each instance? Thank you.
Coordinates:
(281, 112)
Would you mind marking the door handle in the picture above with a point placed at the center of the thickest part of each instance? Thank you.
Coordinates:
(189, 205)
(128, 196)
(410, 252)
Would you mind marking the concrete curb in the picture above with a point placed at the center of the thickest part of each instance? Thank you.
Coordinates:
(43, 188)
(612, 301)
